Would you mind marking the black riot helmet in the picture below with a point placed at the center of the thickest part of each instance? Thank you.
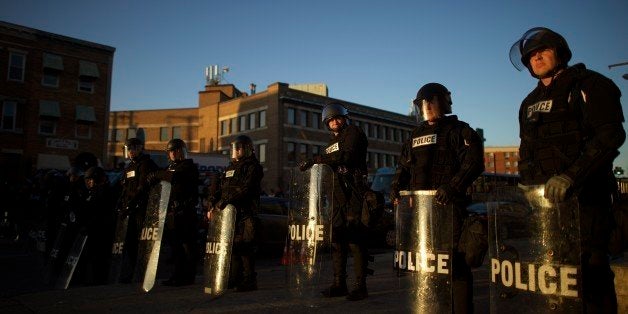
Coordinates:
(427, 93)
(96, 173)
(539, 38)
(244, 143)
(333, 110)
(133, 144)
(177, 144)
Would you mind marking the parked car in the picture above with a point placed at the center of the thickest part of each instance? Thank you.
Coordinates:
(273, 215)
(383, 234)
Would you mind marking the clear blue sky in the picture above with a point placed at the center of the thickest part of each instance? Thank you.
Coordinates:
(375, 53)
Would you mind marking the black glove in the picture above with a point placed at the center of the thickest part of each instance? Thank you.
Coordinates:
(445, 194)
(306, 164)
(394, 195)
(557, 187)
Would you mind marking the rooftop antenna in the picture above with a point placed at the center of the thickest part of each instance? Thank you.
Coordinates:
(214, 74)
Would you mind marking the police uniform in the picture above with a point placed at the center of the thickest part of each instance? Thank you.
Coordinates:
(573, 127)
(133, 202)
(447, 153)
(240, 186)
(346, 155)
(181, 221)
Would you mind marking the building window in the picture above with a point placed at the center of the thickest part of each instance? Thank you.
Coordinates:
(242, 123)
(291, 151)
(316, 120)
(252, 121)
(366, 125)
(291, 119)
(316, 150)
(302, 151)
(47, 126)
(303, 117)
(234, 125)
(9, 109)
(50, 79)
(164, 134)
(224, 127)
(17, 62)
(261, 153)
(506, 155)
(176, 132)
(83, 130)
(356, 123)
(262, 118)
(131, 133)
(52, 67)
(86, 85)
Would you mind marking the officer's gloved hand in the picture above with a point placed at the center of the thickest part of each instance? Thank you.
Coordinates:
(557, 187)
(445, 194)
(394, 196)
(306, 164)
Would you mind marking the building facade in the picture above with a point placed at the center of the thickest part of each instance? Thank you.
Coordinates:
(54, 98)
(501, 159)
(284, 124)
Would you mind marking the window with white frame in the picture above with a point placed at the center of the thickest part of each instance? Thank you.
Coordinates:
(242, 123)
(9, 109)
(17, 63)
(224, 127)
(262, 118)
(252, 124)
(52, 67)
(164, 134)
(261, 153)
(47, 126)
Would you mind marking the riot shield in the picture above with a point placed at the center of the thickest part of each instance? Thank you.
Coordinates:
(534, 250)
(63, 281)
(150, 237)
(218, 249)
(117, 249)
(309, 229)
(424, 251)
(51, 266)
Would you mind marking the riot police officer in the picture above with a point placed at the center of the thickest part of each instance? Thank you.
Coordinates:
(346, 154)
(571, 129)
(240, 186)
(448, 164)
(181, 220)
(134, 199)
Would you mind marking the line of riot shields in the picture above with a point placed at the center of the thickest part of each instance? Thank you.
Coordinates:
(534, 247)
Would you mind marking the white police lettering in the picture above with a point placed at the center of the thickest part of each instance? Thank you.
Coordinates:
(72, 260)
(149, 234)
(306, 232)
(54, 253)
(424, 140)
(560, 280)
(117, 248)
(130, 174)
(541, 106)
(229, 173)
(332, 148)
(425, 262)
(215, 248)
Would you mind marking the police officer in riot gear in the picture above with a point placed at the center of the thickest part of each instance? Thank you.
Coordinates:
(346, 155)
(449, 164)
(181, 219)
(134, 199)
(571, 129)
(240, 186)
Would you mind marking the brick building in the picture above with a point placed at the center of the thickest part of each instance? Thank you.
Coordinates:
(284, 123)
(501, 159)
(54, 98)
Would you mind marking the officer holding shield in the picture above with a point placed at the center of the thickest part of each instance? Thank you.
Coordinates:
(346, 154)
(571, 130)
(446, 155)
(240, 186)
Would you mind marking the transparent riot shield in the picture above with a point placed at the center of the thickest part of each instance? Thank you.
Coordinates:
(67, 271)
(52, 263)
(117, 249)
(423, 255)
(309, 230)
(151, 234)
(534, 250)
(218, 249)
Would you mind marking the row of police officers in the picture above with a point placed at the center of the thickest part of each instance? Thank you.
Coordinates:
(570, 130)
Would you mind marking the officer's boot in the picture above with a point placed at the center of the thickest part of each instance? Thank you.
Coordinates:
(339, 286)
(249, 280)
(360, 263)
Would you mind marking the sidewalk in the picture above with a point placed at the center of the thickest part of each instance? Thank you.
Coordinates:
(385, 296)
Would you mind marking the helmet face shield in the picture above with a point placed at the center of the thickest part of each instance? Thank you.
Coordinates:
(131, 151)
(536, 39)
(240, 150)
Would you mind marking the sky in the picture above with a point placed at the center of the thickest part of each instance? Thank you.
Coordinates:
(374, 53)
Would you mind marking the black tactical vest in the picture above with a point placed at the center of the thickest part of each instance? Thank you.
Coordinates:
(434, 161)
(551, 130)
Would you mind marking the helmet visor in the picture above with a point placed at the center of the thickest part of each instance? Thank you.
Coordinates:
(521, 49)
(240, 150)
(131, 151)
